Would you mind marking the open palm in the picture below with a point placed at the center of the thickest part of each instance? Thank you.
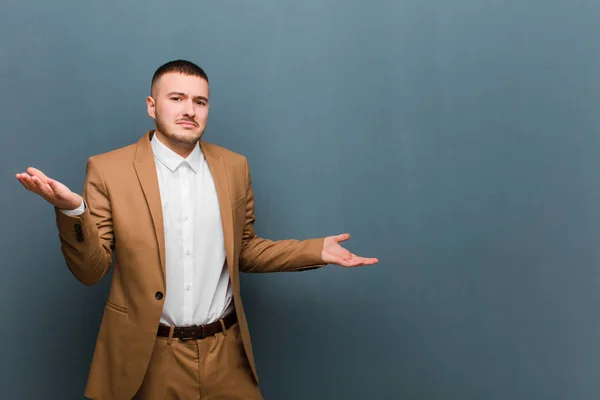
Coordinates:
(333, 253)
(50, 190)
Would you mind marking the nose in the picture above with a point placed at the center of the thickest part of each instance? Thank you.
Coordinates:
(190, 110)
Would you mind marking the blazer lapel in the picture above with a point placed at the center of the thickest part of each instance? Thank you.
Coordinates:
(219, 173)
(145, 168)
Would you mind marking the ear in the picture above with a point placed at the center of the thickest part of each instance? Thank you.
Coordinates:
(151, 106)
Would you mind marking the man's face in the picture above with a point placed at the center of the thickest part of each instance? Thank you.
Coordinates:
(179, 107)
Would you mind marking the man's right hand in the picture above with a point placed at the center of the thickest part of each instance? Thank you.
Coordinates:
(52, 191)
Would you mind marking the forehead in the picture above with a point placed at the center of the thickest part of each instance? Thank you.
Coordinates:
(176, 82)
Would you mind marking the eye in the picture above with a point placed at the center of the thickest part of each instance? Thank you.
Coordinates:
(175, 98)
(201, 103)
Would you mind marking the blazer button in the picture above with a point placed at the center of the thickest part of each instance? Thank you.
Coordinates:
(158, 295)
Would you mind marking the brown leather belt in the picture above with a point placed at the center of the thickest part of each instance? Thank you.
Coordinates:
(197, 331)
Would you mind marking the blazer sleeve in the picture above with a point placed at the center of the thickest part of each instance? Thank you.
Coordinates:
(87, 240)
(263, 255)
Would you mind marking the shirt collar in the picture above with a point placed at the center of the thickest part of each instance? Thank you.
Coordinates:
(172, 160)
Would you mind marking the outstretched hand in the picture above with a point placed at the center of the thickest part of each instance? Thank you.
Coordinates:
(50, 190)
(333, 253)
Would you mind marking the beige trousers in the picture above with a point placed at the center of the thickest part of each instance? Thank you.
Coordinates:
(213, 368)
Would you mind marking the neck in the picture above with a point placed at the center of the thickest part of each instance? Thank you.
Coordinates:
(182, 149)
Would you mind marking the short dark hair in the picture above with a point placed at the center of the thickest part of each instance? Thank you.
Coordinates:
(179, 66)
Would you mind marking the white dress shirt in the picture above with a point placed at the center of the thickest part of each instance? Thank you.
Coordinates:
(198, 286)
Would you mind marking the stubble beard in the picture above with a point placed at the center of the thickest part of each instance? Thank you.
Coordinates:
(184, 141)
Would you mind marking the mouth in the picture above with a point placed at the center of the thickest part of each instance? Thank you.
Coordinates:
(187, 124)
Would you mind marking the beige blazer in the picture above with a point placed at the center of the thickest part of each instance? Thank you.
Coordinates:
(124, 214)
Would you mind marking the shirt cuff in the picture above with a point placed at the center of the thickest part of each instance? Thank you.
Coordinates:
(78, 211)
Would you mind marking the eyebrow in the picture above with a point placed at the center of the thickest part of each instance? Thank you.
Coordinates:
(185, 95)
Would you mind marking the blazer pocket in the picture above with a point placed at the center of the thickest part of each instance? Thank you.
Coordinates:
(238, 202)
(115, 307)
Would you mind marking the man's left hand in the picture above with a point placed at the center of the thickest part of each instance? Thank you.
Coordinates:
(333, 253)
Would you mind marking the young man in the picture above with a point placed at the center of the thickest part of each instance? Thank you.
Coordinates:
(179, 214)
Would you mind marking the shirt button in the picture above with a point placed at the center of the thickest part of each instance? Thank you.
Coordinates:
(158, 295)
(186, 217)
(188, 286)
(188, 252)
(183, 183)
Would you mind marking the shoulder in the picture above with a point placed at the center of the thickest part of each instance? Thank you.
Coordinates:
(230, 158)
(114, 158)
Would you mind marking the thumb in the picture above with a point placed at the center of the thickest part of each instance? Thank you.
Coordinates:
(342, 238)
(58, 188)
(53, 185)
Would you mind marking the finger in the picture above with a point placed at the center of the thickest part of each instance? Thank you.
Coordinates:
(342, 238)
(353, 263)
(24, 183)
(36, 172)
(19, 177)
(55, 186)
(367, 261)
(28, 183)
(360, 261)
(348, 260)
(43, 188)
(345, 262)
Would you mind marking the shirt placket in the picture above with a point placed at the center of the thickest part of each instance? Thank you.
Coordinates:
(188, 240)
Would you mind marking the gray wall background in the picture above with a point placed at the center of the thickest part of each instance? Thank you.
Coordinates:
(455, 140)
